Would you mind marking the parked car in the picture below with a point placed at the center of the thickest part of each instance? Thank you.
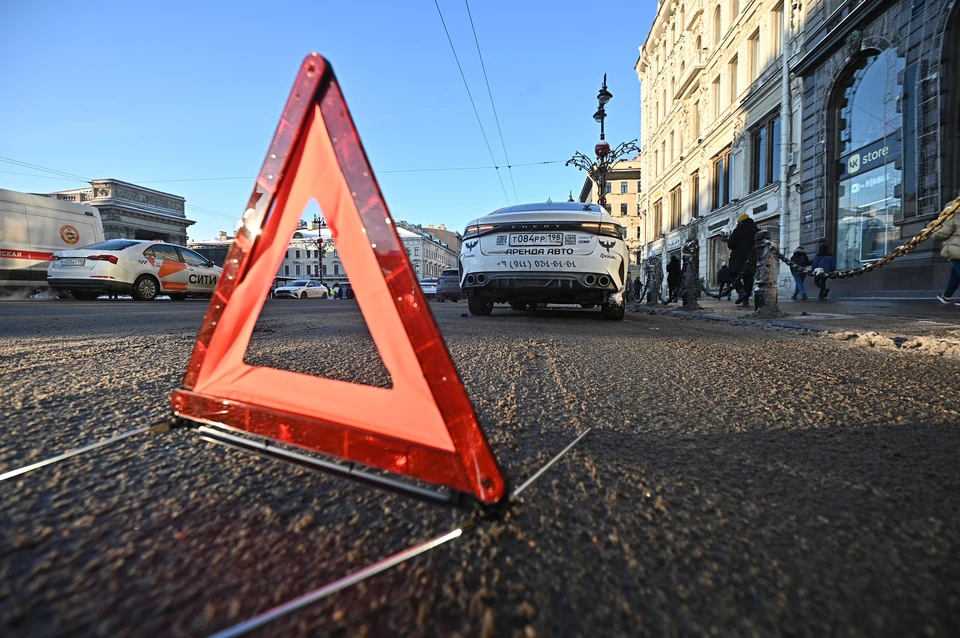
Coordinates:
(141, 268)
(343, 290)
(429, 287)
(448, 286)
(530, 255)
(302, 289)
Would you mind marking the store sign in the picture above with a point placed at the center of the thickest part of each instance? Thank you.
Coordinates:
(869, 157)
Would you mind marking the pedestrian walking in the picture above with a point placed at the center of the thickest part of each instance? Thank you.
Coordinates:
(799, 274)
(743, 259)
(673, 278)
(637, 288)
(725, 278)
(823, 263)
(949, 234)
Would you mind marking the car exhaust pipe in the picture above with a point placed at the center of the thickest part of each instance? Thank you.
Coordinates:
(481, 279)
(589, 280)
(470, 280)
(604, 281)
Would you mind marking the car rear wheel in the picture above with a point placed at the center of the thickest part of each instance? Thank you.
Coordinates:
(145, 288)
(479, 306)
(613, 311)
(303, 295)
(323, 296)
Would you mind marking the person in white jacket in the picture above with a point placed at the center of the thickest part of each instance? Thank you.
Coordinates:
(949, 234)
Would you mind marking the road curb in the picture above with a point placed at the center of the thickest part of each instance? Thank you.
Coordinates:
(779, 323)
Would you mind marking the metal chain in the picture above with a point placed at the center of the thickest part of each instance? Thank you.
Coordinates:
(899, 251)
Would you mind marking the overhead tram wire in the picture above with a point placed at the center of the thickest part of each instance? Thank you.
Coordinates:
(472, 103)
(494, 106)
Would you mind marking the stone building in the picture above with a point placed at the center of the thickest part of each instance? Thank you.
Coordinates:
(129, 211)
(720, 125)
(881, 135)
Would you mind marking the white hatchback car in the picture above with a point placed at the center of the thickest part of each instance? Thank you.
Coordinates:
(302, 289)
(141, 268)
(531, 255)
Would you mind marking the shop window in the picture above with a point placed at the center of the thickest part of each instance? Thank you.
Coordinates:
(867, 152)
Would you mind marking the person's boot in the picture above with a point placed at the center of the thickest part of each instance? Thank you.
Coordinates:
(804, 296)
(794, 296)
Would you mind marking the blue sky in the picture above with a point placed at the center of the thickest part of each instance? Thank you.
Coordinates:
(150, 92)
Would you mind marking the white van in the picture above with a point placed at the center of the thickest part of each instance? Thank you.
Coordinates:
(32, 228)
(538, 254)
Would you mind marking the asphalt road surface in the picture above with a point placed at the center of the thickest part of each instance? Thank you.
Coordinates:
(737, 481)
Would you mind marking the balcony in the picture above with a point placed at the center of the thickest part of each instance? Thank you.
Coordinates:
(689, 77)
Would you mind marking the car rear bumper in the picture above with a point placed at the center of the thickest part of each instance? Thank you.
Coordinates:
(540, 287)
(91, 285)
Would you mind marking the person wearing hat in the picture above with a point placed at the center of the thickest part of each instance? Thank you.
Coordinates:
(802, 261)
(743, 262)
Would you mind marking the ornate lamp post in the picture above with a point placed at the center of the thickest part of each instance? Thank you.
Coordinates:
(318, 222)
(606, 157)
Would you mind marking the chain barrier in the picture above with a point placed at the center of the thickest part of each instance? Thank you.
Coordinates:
(899, 251)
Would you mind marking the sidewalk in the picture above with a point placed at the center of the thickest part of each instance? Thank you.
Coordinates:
(925, 317)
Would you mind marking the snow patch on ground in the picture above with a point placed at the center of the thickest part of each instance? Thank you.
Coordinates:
(935, 346)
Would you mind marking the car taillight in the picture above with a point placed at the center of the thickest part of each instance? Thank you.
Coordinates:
(111, 258)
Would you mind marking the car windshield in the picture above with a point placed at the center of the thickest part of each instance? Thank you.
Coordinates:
(297, 284)
(112, 244)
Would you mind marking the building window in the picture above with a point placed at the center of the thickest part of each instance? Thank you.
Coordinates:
(608, 187)
(765, 148)
(695, 195)
(715, 97)
(623, 209)
(623, 188)
(734, 9)
(732, 69)
(658, 218)
(638, 186)
(776, 35)
(297, 269)
(286, 255)
(336, 269)
(675, 211)
(656, 163)
(324, 269)
(695, 119)
(721, 179)
(286, 271)
(753, 49)
(717, 27)
(296, 254)
(416, 251)
(673, 148)
(867, 156)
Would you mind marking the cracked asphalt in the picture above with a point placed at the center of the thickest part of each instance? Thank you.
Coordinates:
(737, 481)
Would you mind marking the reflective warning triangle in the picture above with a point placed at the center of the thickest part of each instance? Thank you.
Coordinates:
(424, 426)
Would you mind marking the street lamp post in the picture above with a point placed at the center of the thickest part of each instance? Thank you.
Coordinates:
(606, 157)
(318, 221)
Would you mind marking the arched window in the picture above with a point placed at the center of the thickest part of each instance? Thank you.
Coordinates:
(717, 27)
(734, 9)
(673, 86)
(665, 109)
(699, 44)
(656, 114)
(865, 144)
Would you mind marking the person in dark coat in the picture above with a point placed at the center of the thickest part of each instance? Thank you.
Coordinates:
(637, 288)
(725, 281)
(673, 278)
(800, 259)
(824, 262)
(743, 244)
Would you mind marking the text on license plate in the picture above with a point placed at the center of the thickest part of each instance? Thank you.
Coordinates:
(536, 239)
(71, 262)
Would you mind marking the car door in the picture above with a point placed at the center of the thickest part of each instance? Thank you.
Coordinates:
(201, 277)
(169, 268)
(314, 289)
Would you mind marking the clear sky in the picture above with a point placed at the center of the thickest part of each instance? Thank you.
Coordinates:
(159, 94)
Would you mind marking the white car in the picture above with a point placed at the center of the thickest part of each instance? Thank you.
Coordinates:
(531, 255)
(302, 289)
(429, 287)
(141, 268)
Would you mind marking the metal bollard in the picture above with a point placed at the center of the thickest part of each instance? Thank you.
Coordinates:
(690, 259)
(654, 281)
(765, 299)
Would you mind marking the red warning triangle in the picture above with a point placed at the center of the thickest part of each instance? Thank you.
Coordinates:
(424, 426)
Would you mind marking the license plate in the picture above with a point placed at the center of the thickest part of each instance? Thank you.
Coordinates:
(536, 239)
(71, 262)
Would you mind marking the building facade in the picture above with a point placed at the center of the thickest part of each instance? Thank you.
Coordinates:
(881, 135)
(623, 188)
(129, 211)
(720, 125)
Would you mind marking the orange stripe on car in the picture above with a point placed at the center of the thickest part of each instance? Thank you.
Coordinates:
(170, 267)
(172, 285)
